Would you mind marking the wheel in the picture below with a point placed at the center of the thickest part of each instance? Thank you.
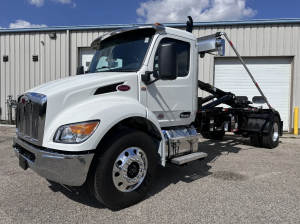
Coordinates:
(122, 175)
(256, 140)
(216, 135)
(205, 135)
(271, 140)
(245, 135)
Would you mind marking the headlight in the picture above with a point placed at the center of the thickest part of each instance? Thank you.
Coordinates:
(75, 133)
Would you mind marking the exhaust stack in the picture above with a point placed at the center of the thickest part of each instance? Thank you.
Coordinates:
(189, 25)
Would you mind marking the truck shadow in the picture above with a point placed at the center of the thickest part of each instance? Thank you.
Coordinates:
(172, 174)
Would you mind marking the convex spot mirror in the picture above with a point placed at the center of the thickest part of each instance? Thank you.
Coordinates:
(167, 61)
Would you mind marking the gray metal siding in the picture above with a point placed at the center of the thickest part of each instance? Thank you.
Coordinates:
(58, 58)
(20, 73)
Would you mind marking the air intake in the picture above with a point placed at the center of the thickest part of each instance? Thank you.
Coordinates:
(107, 89)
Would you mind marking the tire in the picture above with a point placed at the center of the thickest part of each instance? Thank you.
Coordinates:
(205, 135)
(216, 135)
(256, 140)
(271, 140)
(106, 179)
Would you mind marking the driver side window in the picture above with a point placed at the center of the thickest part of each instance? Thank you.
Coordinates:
(183, 56)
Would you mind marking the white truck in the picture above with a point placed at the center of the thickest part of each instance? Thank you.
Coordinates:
(137, 106)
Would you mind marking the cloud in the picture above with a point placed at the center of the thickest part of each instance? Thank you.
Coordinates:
(24, 24)
(38, 3)
(63, 1)
(66, 2)
(171, 11)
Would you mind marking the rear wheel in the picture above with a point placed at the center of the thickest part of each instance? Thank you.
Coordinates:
(256, 140)
(271, 140)
(123, 174)
(216, 135)
(205, 135)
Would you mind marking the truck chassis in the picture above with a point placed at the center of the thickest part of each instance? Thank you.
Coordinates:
(263, 126)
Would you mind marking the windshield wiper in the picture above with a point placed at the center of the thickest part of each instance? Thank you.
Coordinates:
(105, 67)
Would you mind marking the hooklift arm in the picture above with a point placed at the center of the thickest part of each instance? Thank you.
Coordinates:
(212, 43)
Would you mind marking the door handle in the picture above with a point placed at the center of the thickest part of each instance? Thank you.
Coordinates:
(185, 114)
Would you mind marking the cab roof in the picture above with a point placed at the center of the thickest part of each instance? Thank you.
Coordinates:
(158, 28)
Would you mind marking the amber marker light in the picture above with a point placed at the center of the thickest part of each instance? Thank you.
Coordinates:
(84, 129)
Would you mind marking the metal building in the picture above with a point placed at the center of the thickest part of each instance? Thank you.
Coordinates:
(30, 57)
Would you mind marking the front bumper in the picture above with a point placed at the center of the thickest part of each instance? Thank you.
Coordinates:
(65, 168)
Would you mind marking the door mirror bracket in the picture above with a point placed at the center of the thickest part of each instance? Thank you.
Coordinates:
(146, 77)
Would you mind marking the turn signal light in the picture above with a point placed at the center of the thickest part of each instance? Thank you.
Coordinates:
(84, 129)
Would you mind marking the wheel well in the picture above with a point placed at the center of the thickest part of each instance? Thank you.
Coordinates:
(136, 123)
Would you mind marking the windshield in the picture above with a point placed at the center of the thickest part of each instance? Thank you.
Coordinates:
(122, 52)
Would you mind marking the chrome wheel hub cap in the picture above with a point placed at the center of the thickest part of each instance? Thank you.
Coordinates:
(129, 169)
(275, 132)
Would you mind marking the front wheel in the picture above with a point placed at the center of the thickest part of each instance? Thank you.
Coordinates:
(124, 173)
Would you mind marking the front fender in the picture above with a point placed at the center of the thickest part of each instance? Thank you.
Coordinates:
(109, 111)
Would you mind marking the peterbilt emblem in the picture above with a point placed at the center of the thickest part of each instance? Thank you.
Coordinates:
(160, 116)
(24, 99)
(123, 88)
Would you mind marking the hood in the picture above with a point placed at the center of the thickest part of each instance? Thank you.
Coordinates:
(80, 91)
(82, 82)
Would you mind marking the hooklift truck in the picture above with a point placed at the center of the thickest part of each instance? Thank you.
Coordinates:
(137, 106)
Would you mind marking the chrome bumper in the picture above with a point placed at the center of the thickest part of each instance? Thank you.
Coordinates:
(66, 169)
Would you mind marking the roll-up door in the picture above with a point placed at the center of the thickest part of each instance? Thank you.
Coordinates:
(273, 74)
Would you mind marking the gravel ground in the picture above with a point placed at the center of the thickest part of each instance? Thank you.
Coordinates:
(236, 183)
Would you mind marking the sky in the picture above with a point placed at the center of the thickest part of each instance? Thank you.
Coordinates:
(43, 13)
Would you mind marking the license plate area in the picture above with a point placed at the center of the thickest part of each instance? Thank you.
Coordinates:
(23, 162)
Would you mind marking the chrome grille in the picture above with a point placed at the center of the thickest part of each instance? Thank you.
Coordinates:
(31, 116)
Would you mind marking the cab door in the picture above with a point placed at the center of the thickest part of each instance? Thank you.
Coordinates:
(172, 101)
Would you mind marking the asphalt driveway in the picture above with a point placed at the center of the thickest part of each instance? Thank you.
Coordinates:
(236, 183)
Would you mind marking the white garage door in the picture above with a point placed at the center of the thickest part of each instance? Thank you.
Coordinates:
(85, 57)
(272, 75)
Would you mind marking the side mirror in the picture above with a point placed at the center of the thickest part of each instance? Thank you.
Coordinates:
(80, 70)
(167, 61)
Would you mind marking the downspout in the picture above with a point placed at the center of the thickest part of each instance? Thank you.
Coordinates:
(68, 54)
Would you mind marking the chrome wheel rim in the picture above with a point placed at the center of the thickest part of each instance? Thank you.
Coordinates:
(130, 169)
(275, 132)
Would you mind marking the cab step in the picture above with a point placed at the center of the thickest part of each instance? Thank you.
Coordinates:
(188, 158)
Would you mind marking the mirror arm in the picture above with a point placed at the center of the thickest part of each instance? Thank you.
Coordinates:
(153, 81)
(146, 77)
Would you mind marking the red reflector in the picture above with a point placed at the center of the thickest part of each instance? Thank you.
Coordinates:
(256, 84)
(230, 43)
(123, 88)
